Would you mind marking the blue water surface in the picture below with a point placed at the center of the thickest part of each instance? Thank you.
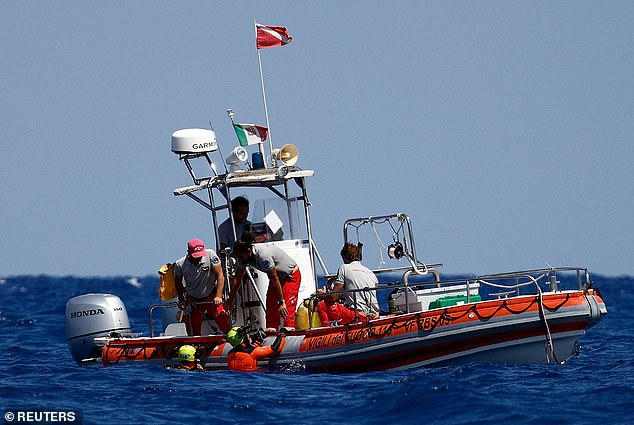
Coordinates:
(37, 372)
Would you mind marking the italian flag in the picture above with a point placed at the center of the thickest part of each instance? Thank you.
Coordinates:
(250, 134)
(268, 36)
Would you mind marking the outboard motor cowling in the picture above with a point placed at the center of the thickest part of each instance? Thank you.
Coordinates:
(90, 316)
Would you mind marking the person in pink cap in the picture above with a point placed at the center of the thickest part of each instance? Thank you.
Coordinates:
(198, 279)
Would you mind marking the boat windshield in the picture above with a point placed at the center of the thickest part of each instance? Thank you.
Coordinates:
(276, 219)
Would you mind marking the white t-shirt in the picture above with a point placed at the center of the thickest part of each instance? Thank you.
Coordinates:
(357, 276)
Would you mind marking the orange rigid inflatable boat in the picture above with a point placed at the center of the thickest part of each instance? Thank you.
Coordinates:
(511, 331)
(529, 316)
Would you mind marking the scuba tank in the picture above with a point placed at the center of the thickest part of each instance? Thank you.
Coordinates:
(308, 309)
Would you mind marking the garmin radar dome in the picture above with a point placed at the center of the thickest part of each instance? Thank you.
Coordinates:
(194, 141)
(90, 316)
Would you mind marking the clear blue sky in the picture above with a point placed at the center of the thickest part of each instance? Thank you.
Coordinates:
(504, 129)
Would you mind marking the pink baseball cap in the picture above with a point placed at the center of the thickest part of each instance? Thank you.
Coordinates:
(196, 248)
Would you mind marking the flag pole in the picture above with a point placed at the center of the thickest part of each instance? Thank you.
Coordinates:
(266, 111)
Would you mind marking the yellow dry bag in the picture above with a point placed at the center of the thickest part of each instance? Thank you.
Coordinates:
(167, 287)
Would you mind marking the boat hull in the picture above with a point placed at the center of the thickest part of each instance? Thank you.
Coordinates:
(524, 329)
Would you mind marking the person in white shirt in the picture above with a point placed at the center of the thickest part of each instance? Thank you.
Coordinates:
(352, 275)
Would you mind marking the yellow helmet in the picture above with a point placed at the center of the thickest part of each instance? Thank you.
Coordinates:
(187, 353)
(235, 336)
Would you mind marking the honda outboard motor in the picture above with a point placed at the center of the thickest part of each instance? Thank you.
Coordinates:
(90, 316)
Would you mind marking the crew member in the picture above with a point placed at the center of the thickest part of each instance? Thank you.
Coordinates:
(187, 358)
(240, 212)
(282, 271)
(245, 354)
(352, 275)
(198, 278)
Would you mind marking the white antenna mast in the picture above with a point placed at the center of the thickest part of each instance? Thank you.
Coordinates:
(266, 111)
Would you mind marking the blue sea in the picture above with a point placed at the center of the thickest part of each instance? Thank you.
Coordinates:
(37, 373)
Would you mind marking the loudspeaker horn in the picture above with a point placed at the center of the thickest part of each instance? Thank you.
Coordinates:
(287, 155)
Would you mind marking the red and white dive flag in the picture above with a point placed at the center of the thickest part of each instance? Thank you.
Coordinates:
(268, 36)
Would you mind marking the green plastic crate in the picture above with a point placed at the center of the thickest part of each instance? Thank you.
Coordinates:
(450, 300)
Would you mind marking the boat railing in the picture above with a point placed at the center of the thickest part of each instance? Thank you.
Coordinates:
(155, 306)
(498, 280)
(506, 284)
(548, 277)
(583, 276)
(432, 269)
(188, 307)
(500, 285)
